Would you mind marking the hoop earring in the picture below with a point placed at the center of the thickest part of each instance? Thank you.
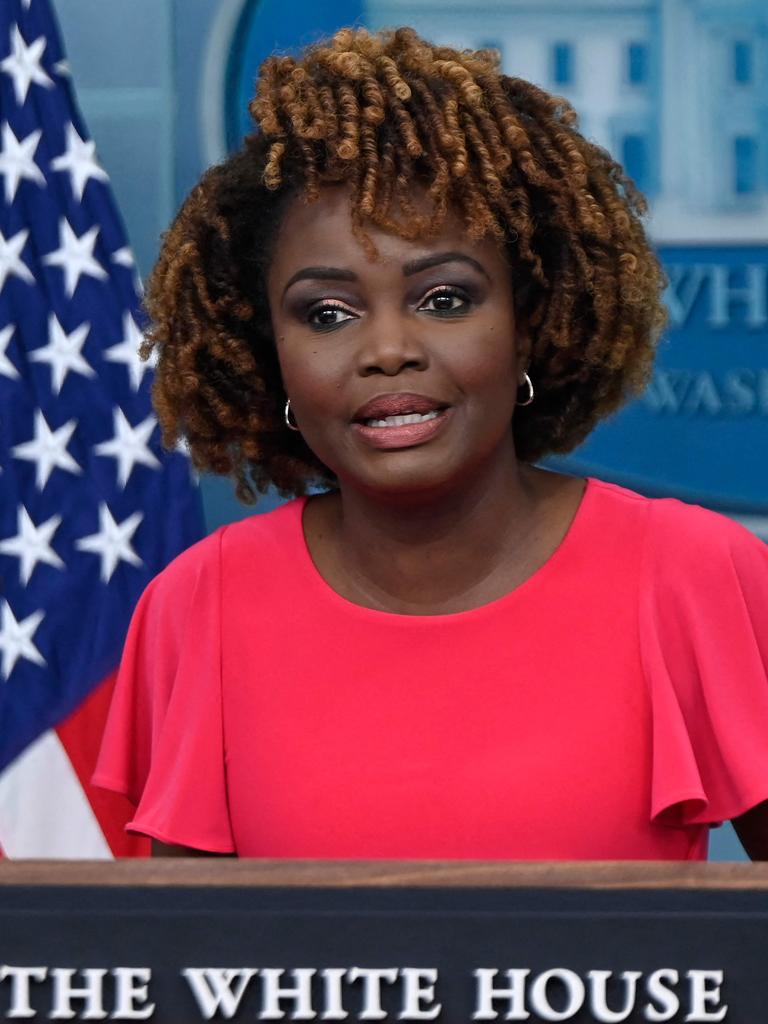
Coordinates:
(529, 382)
(287, 417)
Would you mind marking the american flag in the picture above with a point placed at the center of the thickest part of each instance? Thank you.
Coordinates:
(90, 507)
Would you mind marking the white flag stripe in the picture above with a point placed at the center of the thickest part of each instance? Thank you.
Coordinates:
(43, 820)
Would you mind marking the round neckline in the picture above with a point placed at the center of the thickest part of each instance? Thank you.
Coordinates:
(327, 593)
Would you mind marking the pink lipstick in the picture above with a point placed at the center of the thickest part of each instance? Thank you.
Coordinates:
(400, 420)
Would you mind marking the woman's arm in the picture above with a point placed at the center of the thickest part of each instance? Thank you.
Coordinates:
(172, 850)
(752, 830)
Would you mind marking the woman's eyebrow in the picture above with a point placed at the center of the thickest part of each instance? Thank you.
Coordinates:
(437, 258)
(321, 274)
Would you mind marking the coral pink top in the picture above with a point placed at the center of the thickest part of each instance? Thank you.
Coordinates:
(612, 706)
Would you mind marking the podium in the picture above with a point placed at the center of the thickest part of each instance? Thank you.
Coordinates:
(219, 939)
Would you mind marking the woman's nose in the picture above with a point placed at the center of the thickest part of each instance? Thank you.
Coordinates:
(389, 346)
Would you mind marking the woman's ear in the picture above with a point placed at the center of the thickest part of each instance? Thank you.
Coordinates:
(522, 346)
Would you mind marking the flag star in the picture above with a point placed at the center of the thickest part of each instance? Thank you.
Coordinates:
(23, 64)
(79, 158)
(75, 256)
(127, 352)
(32, 544)
(112, 542)
(7, 369)
(10, 258)
(17, 160)
(129, 445)
(26, 4)
(63, 352)
(48, 449)
(123, 257)
(16, 639)
(182, 448)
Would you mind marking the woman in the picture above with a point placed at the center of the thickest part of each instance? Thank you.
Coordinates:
(450, 652)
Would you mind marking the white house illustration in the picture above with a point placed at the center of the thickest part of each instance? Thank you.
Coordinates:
(677, 90)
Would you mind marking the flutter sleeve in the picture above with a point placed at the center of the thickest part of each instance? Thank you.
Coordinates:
(163, 745)
(704, 642)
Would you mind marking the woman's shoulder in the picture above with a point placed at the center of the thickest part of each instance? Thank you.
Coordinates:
(676, 532)
(703, 644)
(255, 538)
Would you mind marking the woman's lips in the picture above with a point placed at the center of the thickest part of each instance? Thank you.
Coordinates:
(397, 403)
(403, 435)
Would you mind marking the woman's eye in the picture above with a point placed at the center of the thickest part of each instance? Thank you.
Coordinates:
(328, 315)
(446, 301)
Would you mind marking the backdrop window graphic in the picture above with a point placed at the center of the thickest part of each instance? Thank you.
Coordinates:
(91, 507)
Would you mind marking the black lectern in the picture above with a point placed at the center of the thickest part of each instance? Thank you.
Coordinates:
(453, 942)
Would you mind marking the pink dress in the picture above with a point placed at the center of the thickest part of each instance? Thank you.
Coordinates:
(612, 706)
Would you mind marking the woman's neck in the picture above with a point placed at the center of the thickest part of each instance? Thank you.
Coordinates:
(439, 554)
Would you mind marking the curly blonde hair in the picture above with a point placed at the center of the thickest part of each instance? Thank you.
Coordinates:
(379, 111)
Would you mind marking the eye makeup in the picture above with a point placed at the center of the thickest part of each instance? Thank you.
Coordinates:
(326, 308)
(462, 295)
(447, 292)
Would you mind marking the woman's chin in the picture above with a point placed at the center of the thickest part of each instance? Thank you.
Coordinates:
(425, 472)
(405, 479)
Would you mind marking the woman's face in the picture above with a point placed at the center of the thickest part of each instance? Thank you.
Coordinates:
(402, 373)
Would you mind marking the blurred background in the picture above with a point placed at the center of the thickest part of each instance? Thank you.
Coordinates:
(677, 90)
